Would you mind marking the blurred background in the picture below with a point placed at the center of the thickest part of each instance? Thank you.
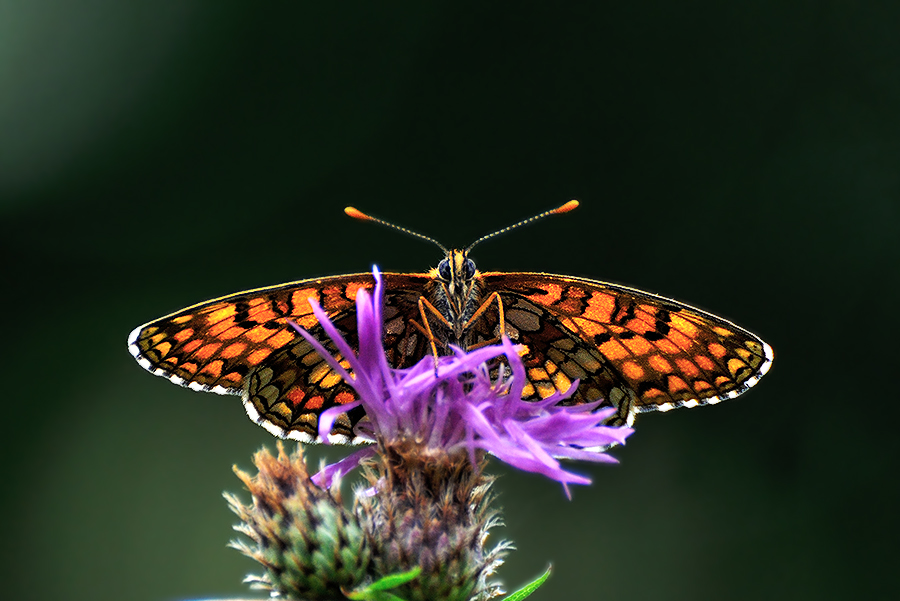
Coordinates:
(742, 157)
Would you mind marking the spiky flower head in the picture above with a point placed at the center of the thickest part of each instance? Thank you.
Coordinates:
(431, 510)
(310, 546)
(427, 503)
(432, 516)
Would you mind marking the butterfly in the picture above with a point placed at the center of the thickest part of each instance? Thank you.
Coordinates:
(629, 349)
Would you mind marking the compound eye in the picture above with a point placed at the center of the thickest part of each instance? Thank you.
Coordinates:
(444, 269)
(470, 268)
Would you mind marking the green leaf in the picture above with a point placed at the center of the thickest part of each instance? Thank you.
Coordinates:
(530, 587)
(394, 580)
(376, 590)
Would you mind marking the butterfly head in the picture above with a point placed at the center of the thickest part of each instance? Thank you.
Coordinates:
(456, 271)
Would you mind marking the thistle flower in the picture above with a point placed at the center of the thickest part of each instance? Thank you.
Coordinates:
(451, 404)
(427, 508)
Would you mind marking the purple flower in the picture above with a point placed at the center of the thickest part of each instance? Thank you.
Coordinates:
(453, 405)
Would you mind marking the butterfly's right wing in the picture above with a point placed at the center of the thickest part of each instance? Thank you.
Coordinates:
(634, 350)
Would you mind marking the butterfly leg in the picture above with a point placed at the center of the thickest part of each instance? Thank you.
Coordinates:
(425, 308)
(501, 319)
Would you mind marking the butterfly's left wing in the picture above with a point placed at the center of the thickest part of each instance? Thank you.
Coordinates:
(241, 344)
(295, 384)
(634, 350)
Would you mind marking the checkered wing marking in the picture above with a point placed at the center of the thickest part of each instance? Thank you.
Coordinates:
(635, 350)
(287, 394)
(241, 344)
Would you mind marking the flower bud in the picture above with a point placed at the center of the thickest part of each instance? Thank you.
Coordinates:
(310, 545)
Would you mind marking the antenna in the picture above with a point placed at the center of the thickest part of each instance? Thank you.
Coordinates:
(571, 205)
(357, 214)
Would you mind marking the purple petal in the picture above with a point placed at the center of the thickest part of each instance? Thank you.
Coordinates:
(327, 417)
(325, 477)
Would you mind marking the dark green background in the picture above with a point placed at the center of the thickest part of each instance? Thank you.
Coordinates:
(741, 156)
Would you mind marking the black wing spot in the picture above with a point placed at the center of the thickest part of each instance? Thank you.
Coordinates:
(602, 338)
(240, 369)
(275, 306)
(242, 311)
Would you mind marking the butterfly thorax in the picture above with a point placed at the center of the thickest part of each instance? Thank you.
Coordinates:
(456, 292)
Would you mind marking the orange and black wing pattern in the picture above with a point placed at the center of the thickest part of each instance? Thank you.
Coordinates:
(630, 349)
(241, 344)
(634, 350)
